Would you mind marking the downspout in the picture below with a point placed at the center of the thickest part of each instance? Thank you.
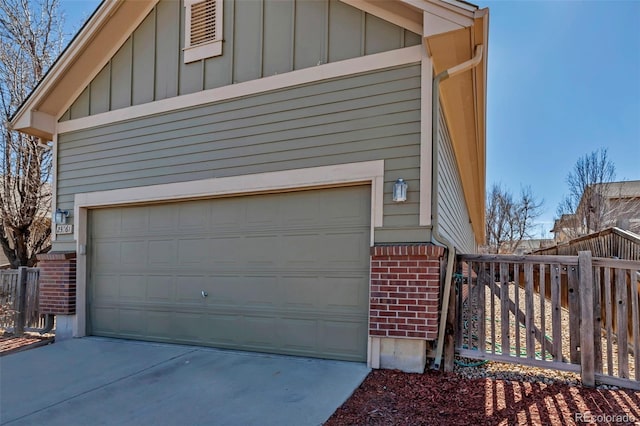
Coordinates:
(436, 238)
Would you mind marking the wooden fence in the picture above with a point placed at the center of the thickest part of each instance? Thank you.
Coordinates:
(611, 242)
(511, 309)
(19, 299)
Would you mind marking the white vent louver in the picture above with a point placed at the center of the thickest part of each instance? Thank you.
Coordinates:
(203, 22)
(203, 29)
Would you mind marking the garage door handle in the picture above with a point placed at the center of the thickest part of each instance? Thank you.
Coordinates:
(204, 294)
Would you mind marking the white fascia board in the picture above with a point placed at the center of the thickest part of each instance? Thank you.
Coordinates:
(446, 11)
(106, 9)
(376, 10)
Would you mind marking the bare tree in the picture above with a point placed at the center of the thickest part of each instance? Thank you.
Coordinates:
(588, 184)
(30, 39)
(510, 220)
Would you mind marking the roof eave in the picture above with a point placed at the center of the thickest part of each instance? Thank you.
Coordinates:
(78, 64)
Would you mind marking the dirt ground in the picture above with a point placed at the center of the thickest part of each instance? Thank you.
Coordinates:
(435, 398)
(10, 344)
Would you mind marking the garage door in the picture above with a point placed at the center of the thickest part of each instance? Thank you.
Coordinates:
(283, 273)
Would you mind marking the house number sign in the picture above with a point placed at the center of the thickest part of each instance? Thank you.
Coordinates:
(64, 229)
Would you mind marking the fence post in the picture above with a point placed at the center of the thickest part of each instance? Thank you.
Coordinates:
(22, 301)
(585, 292)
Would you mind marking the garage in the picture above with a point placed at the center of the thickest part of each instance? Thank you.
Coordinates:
(282, 273)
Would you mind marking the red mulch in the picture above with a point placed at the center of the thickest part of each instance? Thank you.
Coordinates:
(394, 398)
(10, 343)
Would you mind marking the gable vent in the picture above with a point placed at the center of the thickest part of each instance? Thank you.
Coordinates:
(203, 29)
(203, 22)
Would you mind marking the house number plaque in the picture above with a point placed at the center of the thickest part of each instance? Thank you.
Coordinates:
(64, 229)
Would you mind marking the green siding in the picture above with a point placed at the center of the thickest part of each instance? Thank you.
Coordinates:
(453, 215)
(370, 116)
(261, 38)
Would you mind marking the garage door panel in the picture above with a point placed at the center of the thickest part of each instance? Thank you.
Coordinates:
(193, 217)
(345, 337)
(285, 273)
(159, 324)
(133, 322)
(258, 332)
(105, 287)
(259, 291)
(300, 292)
(108, 252)
(135, 222)
(162, 253)
(343, 293)
(132, 288)
(133, 252)
(299, 334)
(193, 252)
(160, 288)
(189, 289)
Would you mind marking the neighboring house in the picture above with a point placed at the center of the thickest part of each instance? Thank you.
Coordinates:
(602, 206)
(612, 204)
(565, 227)
(528, 246)
(230, 179)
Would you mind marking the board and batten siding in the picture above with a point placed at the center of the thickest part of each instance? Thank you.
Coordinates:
(363, 117)
(453, 216)
(261, 38)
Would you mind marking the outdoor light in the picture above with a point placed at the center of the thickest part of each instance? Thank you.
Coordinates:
(400, 191)
(61, 216)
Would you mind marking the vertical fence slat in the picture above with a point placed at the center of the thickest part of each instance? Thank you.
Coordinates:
(504, 308)
(542, 290)
(473, 288)
(608, 302)
(556, 317)
(635, 326)
(516, 278)
(529, 314)
(574, 313)
(493, 308)
(621, 323)
(482, 315)
(597, 319)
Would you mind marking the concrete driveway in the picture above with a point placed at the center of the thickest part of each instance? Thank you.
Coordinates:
(97, 381)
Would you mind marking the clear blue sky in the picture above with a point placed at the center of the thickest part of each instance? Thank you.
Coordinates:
(564, 80)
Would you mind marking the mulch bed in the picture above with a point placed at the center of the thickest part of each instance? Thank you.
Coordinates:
(10, 344)
(389, 397)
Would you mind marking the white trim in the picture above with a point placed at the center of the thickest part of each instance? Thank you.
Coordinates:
(426, 136)
(368, 172)
(203, 50)
(375, 9)
(374, 62)
(445, 10)
(54, 185)
(436, 25)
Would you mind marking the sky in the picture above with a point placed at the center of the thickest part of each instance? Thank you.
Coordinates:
(563, 81)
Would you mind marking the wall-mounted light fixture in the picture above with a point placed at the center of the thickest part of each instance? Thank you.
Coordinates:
(400, 191)
(61, 216)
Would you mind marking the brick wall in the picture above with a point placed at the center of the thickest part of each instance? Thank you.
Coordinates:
(57, 283)
(405, 284)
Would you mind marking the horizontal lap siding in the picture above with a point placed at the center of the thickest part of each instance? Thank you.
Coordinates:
(453, 215)
(366, 117)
